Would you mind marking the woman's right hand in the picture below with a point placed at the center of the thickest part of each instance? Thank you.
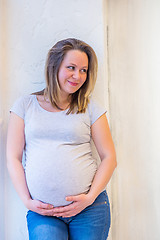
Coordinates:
(40, 207)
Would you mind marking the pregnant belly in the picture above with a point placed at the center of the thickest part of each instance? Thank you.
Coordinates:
(53, 182)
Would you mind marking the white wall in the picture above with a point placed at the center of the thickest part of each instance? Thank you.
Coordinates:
(2, 145)
(27, 31)
(134, 86)
(30, 28)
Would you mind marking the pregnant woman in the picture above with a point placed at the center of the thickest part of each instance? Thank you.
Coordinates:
(60, 182)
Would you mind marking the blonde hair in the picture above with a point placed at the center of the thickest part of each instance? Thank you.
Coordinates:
(79, 99)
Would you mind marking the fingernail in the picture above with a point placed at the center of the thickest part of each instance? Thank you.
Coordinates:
(51, 206)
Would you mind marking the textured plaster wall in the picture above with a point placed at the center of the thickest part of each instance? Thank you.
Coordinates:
(134, 72)
(30, 28)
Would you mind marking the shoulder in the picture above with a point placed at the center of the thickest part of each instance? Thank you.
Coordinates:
(24, 100)
(93, 102)
(95, 109)
(21, 104)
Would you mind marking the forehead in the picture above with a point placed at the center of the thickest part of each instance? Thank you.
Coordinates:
(77, 57)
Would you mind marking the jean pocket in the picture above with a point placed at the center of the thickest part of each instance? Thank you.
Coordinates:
(102, 199)
(101, 203)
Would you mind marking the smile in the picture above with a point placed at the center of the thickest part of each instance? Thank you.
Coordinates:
(72, 83)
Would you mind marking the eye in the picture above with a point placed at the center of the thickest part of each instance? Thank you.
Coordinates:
(71, 67)
(84, 70)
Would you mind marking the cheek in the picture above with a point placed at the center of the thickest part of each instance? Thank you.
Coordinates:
(62, 75)
(84, 78)
(82, 82)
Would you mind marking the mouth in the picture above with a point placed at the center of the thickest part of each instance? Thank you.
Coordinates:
(72, 83)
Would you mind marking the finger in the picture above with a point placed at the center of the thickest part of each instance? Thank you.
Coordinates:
(59, 210)
(72, 198)
(66, 214)
(46, 212)
(45, 206)
(65, 209)
(70, 214)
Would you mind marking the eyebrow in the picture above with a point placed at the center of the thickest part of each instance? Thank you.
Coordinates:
(76, 65)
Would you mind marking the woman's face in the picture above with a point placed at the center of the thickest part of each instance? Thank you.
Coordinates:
(72, 72)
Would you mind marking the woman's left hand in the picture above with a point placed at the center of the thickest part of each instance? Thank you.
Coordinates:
(79, 202)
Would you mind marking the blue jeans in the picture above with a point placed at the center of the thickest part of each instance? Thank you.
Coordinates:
(92, 223)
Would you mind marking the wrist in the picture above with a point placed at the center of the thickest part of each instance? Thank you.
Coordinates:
(91, 197)
(27, 202)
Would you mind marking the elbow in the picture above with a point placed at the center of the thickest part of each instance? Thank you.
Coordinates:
(9, 164)
(115, 163)
(115, 160)
(9, 159)
(12, 162)
(112, 160)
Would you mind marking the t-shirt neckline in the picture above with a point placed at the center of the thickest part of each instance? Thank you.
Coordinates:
(43, 109)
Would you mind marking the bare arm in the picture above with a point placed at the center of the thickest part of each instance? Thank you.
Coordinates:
(103, 141)
(15, 146)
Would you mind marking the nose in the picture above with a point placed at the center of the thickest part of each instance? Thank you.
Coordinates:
(76, 74)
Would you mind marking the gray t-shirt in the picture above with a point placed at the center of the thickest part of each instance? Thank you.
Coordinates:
(58, 155)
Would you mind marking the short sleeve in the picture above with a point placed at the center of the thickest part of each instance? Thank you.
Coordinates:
(19, 107)
(96, 110)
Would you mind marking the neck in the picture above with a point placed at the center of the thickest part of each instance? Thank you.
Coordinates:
(64, 100)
